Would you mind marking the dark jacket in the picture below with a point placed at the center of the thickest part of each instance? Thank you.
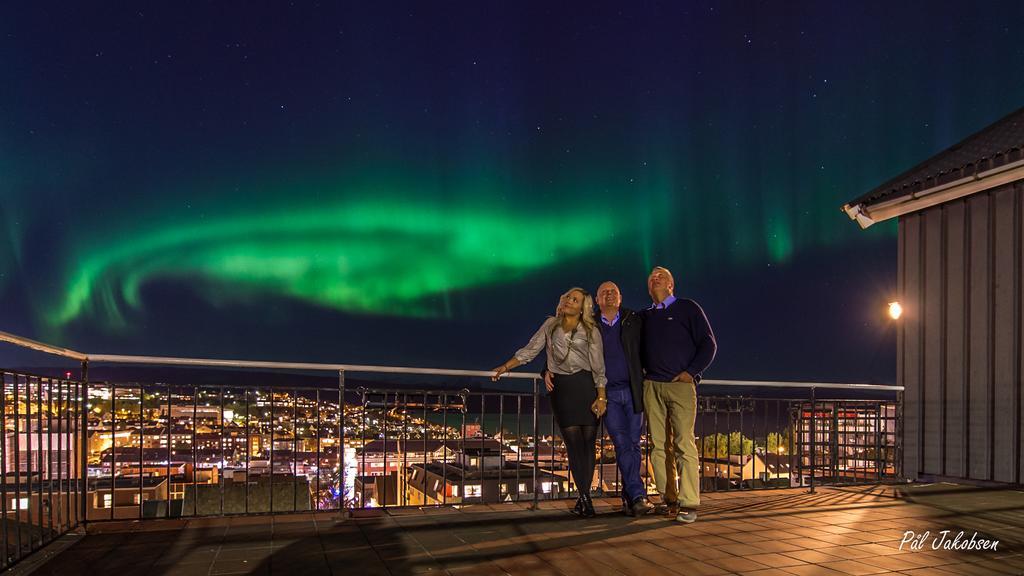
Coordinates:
(632, 336)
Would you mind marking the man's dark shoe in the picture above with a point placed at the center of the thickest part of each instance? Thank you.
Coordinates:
(641, 507)
(667, 508)
(626, 508)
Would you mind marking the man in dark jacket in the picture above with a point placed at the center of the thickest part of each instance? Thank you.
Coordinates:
(622, 330)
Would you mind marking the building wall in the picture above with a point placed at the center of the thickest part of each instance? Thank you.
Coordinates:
(959, 345)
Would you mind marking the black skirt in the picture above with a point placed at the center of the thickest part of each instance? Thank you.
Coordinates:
(572, 397)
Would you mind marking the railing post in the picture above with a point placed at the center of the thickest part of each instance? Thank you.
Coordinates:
(295, 449)
(248, 446)
(341, 442)
(170, 445)
(536, 442)
(270, 508)
(362, 444)
(898, 438)
(113, 448)
(426, 437)
(195, 454)
(4, 556)
(83, 474)
(49, 453)
(814, 443)
(444, 442)
(382, 495)
(483, 435)
(319, 457)
(833, 440)
(464, 396)
(142, 434)
(519, 441)
(223, 456)
(878, 433)
(501, 445)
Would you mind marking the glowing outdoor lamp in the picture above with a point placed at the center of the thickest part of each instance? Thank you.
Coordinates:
(895, 310)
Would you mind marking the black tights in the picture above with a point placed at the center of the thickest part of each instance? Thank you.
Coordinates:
(579, 445)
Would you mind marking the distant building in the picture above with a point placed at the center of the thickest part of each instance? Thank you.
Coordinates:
(123, 498)
(25, 497)
(549, 455)
(57, 461)
(608, 479)
(377, 490)
(744, 470)
(379, 458)
(476, 474)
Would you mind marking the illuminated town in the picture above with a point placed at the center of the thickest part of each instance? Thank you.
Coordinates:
(184, 451)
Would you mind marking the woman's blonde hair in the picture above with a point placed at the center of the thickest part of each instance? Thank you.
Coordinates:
(586, 310)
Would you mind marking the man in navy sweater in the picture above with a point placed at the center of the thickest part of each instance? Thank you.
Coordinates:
(678, 346)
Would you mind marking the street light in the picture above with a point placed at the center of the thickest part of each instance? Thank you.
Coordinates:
(895, 310)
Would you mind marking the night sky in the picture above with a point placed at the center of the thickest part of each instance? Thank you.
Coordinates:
(415, 185)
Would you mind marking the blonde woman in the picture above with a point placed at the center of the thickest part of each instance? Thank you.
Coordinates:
(576, 359)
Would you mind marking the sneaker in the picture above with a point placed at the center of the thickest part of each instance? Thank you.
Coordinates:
(641, 507)
(686, 516)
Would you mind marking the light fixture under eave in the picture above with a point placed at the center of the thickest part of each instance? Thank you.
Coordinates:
(857, 213)
(895, 310)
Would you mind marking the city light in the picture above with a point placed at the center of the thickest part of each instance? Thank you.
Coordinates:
(895, 310)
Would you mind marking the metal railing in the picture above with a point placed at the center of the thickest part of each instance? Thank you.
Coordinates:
(40, 497)
(162, 450)
(153, 450)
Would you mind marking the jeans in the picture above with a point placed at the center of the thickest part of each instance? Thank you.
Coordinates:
(624, 427)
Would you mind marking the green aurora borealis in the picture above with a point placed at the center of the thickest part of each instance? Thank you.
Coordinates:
(381, 245)
(367, 183)
(377, 256)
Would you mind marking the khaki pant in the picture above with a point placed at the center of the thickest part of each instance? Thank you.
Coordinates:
(671, 410)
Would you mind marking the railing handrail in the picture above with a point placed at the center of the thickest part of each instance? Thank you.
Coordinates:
(781, 384)
(41, 346)
(362, 368)
(311, 366)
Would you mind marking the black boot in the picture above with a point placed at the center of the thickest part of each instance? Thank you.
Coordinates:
(588, 506)
(578, 509)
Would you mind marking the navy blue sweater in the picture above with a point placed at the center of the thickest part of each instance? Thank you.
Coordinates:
(677, 339)
(616, 368)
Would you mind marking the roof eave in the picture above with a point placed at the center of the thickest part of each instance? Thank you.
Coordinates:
(866, 214)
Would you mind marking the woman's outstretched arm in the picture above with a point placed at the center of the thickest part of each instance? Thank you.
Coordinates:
(508, 365)
(526, 353)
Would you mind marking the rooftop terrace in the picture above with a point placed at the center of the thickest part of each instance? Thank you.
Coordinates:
(834, 531)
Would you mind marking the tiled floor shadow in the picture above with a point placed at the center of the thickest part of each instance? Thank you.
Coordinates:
(832, 531)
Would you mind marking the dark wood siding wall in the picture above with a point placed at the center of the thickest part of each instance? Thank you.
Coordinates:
(960, 347)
